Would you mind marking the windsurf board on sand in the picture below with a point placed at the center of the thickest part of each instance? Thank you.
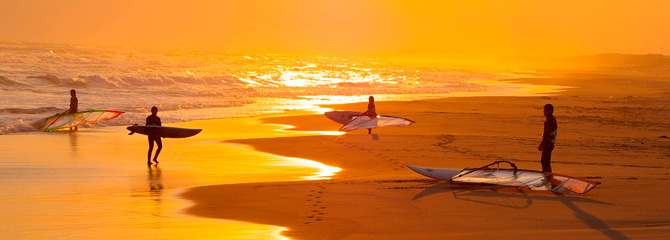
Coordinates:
(161, 131)
(494, 175)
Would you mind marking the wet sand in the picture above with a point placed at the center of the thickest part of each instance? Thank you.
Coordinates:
(611, 128)
(95, 184)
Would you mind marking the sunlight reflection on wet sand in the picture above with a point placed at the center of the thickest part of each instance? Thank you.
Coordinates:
(94, 184)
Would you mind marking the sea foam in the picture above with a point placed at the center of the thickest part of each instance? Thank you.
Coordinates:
(35, 80)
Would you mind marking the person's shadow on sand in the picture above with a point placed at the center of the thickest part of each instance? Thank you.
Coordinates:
(491, 195)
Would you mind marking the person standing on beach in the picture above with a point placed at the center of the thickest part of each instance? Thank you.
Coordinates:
(548, 137)
(153, 119)
(371, 112)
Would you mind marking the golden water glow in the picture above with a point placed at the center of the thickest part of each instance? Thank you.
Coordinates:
(290, 128)
(249, 128)
(312, 75)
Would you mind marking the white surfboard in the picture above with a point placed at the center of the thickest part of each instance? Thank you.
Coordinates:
(437, 173)
(342, 117)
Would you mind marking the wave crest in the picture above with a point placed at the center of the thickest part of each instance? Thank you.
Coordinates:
(98, 81)
(38, 110)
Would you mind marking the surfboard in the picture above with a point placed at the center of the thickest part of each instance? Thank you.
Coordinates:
(437, 173)
(161, 131)
(342, 117)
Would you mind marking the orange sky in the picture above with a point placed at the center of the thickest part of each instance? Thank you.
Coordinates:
(348, 27)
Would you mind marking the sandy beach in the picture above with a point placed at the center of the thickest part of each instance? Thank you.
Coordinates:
(613, 129)
(255, 80)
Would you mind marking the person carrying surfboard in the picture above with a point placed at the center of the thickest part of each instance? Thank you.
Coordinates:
(371, 112)
(153, 119)
(548, 137)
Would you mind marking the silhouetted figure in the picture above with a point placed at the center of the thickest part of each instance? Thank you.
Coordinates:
(156, 121)
(371, 112)
(548, 137)
(74, 104)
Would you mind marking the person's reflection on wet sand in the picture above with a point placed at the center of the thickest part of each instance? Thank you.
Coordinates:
(155, 183)
(73, 141)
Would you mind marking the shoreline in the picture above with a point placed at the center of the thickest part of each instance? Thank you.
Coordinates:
(95, 183)
(375, 196)
(264, 106)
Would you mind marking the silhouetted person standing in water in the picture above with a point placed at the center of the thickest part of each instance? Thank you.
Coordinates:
(371, 112)
(548, 137)
(74, 104)
(156, 121)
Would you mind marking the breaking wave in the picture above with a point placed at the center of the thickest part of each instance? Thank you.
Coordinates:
(35, 80)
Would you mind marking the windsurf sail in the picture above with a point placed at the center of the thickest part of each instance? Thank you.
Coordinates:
(60, 121)
(570, 185)
(363, 122)
(534, 180)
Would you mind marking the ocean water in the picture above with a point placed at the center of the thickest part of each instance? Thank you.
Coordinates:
(35, 80)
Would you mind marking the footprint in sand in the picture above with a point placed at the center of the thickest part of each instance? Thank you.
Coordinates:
(315, 213)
